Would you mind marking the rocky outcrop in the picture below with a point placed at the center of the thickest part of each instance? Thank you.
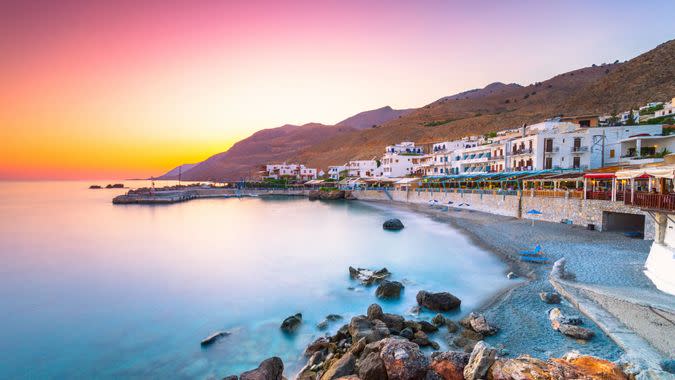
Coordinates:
(550, 298)
(569, 325)
(442, 301)
(403, 360)
(290, 324)
(269, 369)
(389, 290)
(367, 276)
(482, 357)
(574, 367)
(326, 194)
(449, 365)
(393, 224)
(209, 340)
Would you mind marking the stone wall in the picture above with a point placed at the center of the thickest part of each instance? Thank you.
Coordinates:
(579, 211)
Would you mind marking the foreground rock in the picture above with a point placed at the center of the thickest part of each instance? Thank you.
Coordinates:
(291, 323)
(269, 369)
(389, 290)
(372, 330)
(569, 325)
(371, 367)
(393, 224)
(342, 367)
(569, 367)
(482, 357)
(367, 276)
(403, 360)
(209, 340)
(442, 301)
(449, 365)
(326, 194)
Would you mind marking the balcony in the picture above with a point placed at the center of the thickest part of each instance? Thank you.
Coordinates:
(522, 151)
(551, 150)
(651, 201)
(579, 149)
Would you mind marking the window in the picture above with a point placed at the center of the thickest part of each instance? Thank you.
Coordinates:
(549, 163)
(611, 153)
(548, 146)
(576, 164)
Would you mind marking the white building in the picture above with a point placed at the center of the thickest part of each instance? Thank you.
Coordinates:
(364, 168)
(334, 172)
(667, 109)
(289, 171)
(404, 147)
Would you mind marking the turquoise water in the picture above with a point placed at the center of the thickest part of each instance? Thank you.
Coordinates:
(89, 289)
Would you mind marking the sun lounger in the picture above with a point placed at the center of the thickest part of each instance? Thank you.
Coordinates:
(536, 252)
(534, 259)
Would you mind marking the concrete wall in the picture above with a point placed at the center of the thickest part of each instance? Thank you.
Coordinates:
(578, 211)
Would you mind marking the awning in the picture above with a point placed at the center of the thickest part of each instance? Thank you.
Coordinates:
(600, 175)
(315, 182)
(666, 171)
(406, 181)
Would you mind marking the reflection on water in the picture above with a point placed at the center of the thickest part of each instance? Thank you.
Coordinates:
(92, 289)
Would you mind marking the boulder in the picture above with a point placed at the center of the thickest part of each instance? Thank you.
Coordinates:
(333, 317)
(322, 325)
(372, 347)
(291, 323)
(358, 347)
(318, 345)
(375, 312)
(342, 367)
(209, 340)
(523, 367)
(407, 333)
(479, 324)
(403, 360)
(449, 365)
(482, 357)
(452, 326)
(550, 298)
(372, 367)
(442, 301)
(393, 321)
(438, 320)
(393, 224)
(576, 332)
(427, 327)
(587, 367)
(389, 290)
(579, 367)
(326, 194)
(362, 327)
(367, 276)
(269, 369)
(231, 377)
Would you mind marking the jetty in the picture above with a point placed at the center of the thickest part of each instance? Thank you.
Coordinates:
(177, 195)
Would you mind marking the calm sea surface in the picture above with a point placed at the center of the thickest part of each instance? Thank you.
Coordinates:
(93, 290)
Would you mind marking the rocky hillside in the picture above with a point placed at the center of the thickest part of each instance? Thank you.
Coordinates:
(173, 173)
(599, 89)
(373, 118)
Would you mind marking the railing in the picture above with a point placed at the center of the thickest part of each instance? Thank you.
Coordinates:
(651, 201)
(522, 151)
(576, 194)
(579, 149)
(599, 195)
(555, 149)
(550, 193)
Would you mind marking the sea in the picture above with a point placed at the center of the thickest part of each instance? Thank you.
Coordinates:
(89, 289)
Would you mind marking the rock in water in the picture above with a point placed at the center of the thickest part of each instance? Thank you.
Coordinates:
(269, 369)
(393, 224)
(340, 368)
(372, 368)
(291, 323)
(389, 290)
(576, 332)
(438, 320)
(442, 301)
(569, 325)
(480, 325)
(214, 337)
(449, 365)
(480, 361)
(403, 360)
(550, 298)
(367, 276)
(361, 327)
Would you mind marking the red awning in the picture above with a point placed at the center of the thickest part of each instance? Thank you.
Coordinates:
(599, 175)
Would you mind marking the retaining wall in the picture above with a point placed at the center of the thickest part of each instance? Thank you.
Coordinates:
(579, 211)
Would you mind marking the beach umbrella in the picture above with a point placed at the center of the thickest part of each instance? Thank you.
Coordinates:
(534, 212)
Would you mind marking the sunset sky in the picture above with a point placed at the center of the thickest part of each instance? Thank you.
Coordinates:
(121, 89)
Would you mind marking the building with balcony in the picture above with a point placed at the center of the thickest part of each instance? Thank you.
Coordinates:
(289, 171)
(337, 171)
(364, 168)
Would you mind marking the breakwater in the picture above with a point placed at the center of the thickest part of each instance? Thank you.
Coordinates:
(176, 196)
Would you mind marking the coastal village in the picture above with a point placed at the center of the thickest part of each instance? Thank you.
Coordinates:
(598, 173)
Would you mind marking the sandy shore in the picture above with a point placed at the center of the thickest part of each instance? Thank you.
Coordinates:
(606, 259)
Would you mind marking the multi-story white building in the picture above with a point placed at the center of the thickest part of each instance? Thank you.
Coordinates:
(667, 109)
(404, 147)
(364, 168)
(290, 171)
(335, 171)
(401, 159)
